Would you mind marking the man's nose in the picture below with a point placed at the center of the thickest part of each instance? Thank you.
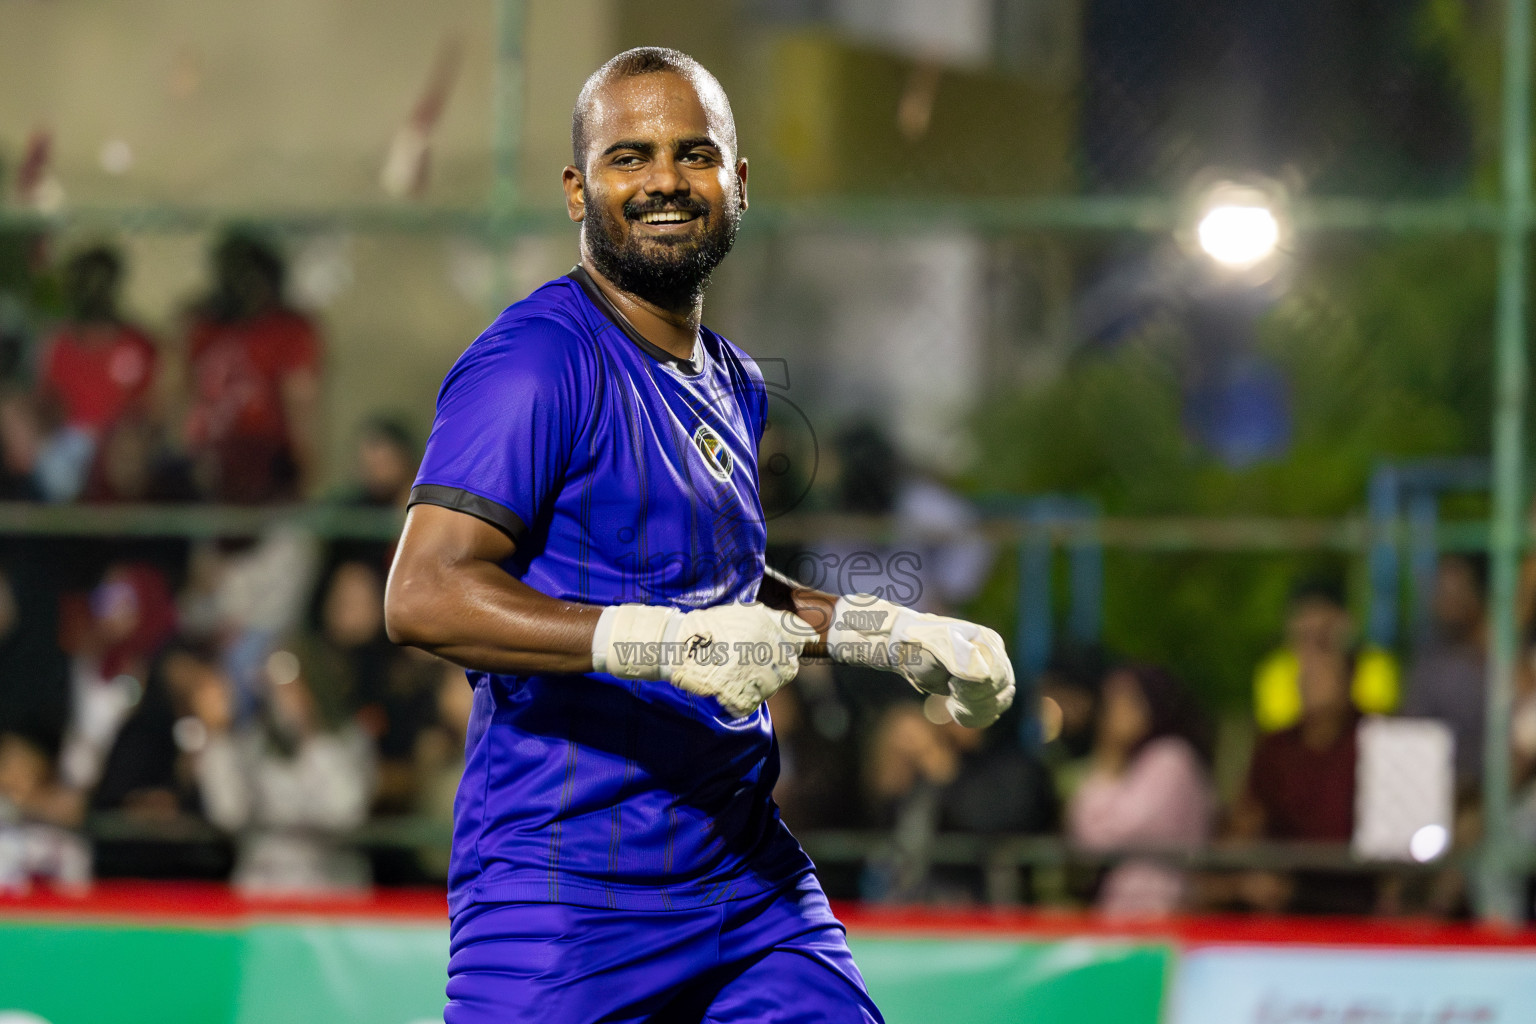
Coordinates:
(665, 179)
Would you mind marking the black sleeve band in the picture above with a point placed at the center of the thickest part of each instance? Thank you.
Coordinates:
(789, 583)
(777, 591)
(499, 516)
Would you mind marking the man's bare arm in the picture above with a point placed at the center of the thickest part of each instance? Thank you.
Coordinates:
(966, 663)
(448, 594)
(814, 606)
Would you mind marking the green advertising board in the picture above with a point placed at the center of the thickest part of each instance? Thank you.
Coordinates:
(296, 972)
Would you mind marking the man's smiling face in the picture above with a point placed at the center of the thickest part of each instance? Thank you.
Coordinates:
(662, 192)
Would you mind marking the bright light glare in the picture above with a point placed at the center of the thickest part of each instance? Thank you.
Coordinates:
(1051, 719)
(935, 710)
(1239, 236)
(1428, 843)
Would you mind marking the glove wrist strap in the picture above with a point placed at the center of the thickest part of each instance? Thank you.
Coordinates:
(861, 630)
(631, 641)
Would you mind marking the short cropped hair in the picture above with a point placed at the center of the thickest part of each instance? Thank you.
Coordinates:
(1319, 589)
(642, 60)
(1476, 564)
(105, 260)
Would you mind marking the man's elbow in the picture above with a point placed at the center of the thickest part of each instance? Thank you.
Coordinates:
(408, 618)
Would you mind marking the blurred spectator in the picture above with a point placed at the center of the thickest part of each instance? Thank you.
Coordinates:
(135, 462)
(1523, 747)
(939, 527)
(392, 691)
(930, 561)
(405, 703)
(787, 461)
(910, 764)
(440, 749)
(440, 761)
(292, 784)
(43, 459)
(926, 777)
(1301, 783)
(1148, 789)
(150, 774)
(934, 562)
(818, 783)
(255, 379)
(21, 438)
(1318, 621)
(30, 786)
(818, 770)
(132, 616)
(34, 673)
(1069, 689)
(97, 366)
(23, 279)
(866, 470)
(145, 774)
(1448, 679)
(349, 636)
(1301, 788)
(244, 596)
(385, 464)
(35, 815)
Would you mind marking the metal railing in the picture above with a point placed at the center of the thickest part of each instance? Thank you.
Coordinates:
(986, 853)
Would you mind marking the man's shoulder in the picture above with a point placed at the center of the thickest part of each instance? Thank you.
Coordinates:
(727, 349)
(742, 366)
(547, 329)
(554, 305)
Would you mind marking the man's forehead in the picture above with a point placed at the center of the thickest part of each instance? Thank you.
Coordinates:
(662, 106)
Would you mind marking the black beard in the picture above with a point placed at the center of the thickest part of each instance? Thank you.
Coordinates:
(668, 273)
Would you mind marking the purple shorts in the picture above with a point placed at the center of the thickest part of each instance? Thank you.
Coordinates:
(780, 957)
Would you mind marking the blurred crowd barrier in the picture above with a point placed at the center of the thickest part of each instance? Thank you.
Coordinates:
(214, 698)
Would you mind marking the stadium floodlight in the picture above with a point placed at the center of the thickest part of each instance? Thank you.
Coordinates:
(1240, 227)
(1239, 236)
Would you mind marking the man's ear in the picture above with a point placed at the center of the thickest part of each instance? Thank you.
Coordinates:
(741, 179)
(575, 185)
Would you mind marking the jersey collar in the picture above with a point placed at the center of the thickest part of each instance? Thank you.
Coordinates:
(688, 367)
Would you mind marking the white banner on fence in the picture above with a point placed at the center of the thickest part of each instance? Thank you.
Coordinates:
(1251, 985)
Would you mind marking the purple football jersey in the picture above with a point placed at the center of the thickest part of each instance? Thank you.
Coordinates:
(623, 475)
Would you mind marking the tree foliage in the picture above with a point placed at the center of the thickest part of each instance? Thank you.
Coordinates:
(1386, 346)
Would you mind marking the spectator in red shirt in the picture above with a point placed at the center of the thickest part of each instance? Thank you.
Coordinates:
(1301, 788)
(254, 372)
(96, 366)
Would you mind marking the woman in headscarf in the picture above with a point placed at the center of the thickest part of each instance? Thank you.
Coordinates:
(132, 617)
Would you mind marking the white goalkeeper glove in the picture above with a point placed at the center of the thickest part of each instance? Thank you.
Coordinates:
(961, 660)
(738, 654)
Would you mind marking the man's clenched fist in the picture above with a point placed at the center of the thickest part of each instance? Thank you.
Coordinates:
(936, 654)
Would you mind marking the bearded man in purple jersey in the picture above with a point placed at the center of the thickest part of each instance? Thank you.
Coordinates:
(585, 536)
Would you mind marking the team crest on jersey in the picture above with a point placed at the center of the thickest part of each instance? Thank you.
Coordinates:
(717, 457)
